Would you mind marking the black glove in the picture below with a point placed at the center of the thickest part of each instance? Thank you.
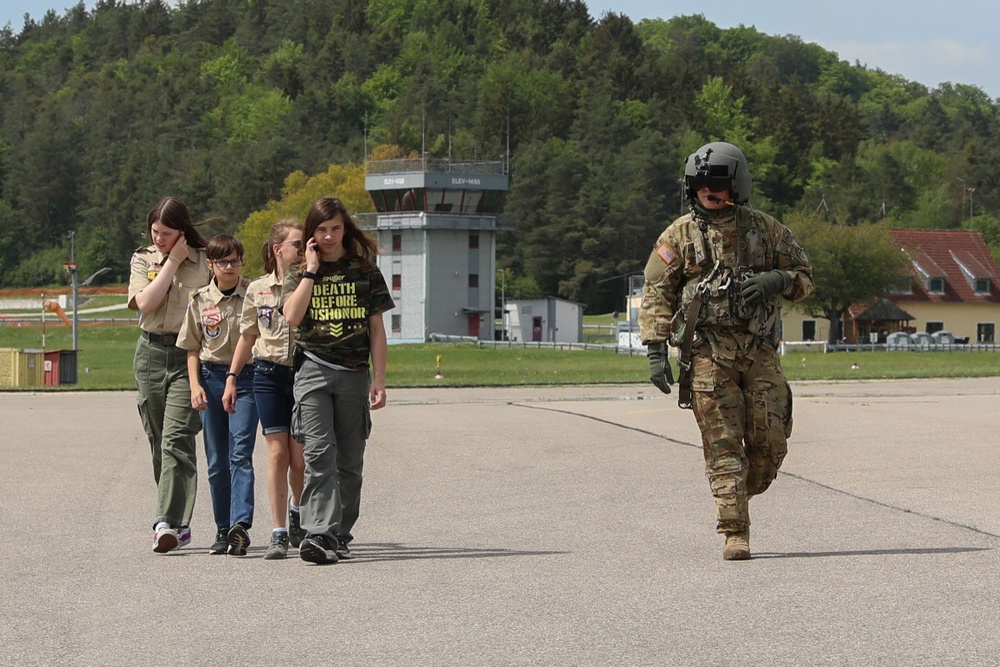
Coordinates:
(660, 373)
(763, 286)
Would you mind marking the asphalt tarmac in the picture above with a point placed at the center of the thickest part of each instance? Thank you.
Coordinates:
(527, 526)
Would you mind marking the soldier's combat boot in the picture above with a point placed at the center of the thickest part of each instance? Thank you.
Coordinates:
(737, 546)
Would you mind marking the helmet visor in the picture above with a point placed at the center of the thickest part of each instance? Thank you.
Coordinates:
(713, 184)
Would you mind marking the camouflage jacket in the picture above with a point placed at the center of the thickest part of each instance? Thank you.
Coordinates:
(693, 250)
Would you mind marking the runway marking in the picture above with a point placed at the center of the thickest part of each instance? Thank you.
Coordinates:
(849, 494)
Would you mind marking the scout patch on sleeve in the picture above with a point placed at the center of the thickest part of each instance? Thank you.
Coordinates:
(666, 254)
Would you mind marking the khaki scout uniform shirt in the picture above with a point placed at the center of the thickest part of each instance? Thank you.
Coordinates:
(261, 318)
(191, 274)
(212, 323)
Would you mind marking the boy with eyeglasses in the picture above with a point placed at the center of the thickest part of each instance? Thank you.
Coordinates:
(210, 333)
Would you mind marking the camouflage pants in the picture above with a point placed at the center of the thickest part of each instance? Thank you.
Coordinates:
(744, 410)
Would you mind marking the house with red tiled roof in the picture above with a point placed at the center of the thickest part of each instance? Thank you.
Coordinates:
(953, 287)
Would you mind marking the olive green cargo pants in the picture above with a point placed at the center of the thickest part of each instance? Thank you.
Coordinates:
(171, 425)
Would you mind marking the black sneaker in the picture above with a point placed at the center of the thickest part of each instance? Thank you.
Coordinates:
(343, 552)
(279, 546)
(221, 544)
(238, 540)
(295, 532)
(316, 549)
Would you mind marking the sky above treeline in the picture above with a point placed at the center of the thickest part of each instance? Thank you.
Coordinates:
(919, 40)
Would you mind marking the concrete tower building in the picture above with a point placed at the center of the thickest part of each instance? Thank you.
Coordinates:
(437, 222)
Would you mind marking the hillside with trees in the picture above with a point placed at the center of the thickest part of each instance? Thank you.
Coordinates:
(233, 105)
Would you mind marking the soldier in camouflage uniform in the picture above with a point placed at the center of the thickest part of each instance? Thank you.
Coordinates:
(335, 300)
(713, 283)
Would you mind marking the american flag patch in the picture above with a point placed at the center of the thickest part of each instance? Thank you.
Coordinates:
(665, 254)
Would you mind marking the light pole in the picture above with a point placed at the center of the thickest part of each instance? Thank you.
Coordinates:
(74, 273)
(965, 189)
(503, 304)
(76, 297)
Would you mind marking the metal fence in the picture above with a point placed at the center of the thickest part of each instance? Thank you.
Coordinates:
(526, 344)
(947, 347)
(439, 165)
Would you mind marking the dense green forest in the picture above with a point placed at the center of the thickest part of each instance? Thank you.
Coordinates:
(219, 101)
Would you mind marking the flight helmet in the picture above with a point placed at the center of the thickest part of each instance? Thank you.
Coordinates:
(720, 165)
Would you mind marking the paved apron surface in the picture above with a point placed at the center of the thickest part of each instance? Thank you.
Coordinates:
(527, 526)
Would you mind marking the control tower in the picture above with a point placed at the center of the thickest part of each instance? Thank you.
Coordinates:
(437, 222)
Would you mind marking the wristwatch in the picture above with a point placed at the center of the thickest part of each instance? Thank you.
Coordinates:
(235, 375)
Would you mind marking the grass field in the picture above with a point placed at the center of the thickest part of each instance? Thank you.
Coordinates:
(104, 361)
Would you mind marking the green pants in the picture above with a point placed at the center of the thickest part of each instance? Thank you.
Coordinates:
(171, 425)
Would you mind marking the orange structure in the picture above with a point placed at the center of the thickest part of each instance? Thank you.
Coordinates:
(54, 307)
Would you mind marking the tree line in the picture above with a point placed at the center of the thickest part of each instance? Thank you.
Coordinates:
(237, 105)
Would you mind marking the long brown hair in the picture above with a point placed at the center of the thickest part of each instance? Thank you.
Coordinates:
(279, 232)
(356, 242)
(172, 212)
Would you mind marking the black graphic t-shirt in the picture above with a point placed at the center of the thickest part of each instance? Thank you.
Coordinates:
(335, 325)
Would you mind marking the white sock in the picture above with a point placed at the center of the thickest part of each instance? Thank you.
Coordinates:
(292, 506)
(279, 530)
(161, 525)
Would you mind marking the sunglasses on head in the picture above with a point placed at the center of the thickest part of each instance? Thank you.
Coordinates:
(296, 243)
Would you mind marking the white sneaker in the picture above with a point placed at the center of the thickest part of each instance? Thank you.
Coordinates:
(164, 538)
(183, 537)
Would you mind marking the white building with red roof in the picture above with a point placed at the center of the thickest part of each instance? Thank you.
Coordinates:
(953, 288)
(954, 283)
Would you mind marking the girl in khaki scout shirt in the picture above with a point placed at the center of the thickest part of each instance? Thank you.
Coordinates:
(209, 334)
(265, 333)
(163, 275)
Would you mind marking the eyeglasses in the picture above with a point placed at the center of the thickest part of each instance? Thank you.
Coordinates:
(227, 262)
(296, 243)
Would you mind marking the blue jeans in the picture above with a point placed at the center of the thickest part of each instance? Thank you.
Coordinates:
(229, 442)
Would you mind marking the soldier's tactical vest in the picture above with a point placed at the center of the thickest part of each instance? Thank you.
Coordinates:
(721, 279)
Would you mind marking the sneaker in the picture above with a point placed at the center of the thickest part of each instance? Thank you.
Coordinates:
(295, 532)
(238, 540)
(164, 538)
(315, 549)
(183, 537)
(279, 546)
(343, 552)
(221, 544)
